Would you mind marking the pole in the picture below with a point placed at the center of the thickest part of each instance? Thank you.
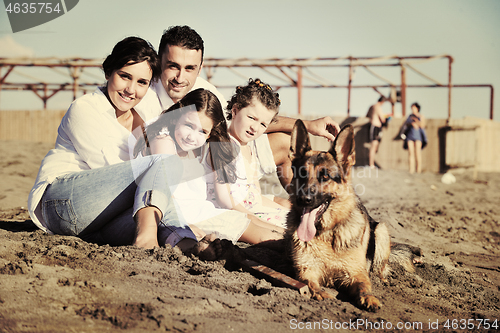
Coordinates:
(299, 89)
(450, 60)
(349, 89)
(491, 103)
(403, 90)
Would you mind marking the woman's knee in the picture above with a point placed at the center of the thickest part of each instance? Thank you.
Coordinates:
(60, 217)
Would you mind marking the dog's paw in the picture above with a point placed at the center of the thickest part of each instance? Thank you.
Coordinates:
(369, 302)
(317, 292)
(322, 294)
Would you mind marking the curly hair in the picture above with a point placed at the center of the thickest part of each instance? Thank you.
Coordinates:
(182, 36)
(222, 151)
(130, 51)
(244, 96)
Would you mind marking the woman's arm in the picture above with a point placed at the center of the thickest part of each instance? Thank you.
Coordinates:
(90, 130)
(422, 121)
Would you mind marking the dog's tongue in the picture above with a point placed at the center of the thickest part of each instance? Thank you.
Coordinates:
(307, 229)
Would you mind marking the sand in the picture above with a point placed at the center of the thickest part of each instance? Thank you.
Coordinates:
(63, 284)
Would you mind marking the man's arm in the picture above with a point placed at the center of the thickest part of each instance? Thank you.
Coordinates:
(324, 127)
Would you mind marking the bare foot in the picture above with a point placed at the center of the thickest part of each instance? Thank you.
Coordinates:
(146, 233)
(146, 241)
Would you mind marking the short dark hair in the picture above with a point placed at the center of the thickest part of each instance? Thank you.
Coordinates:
(182, 36)
(417, 106)
(382, 99)
(130, 51)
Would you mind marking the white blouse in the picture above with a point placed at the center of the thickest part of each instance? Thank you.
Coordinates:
(88, 137)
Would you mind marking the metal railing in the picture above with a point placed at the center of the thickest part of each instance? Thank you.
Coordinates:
(82, 75)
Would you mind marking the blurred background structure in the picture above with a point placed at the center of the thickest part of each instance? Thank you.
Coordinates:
(441, 54)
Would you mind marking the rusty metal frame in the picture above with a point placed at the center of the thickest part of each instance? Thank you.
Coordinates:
(288, 71)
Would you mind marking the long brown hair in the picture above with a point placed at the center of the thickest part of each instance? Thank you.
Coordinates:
(222, 151)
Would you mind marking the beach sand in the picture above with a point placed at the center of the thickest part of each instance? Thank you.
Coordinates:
(63, 284)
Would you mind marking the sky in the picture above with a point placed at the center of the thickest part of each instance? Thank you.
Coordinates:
(466, 30)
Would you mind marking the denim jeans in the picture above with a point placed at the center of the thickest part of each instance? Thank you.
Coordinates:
(99, 205)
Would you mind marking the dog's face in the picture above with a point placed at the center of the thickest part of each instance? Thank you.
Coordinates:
(319, 178)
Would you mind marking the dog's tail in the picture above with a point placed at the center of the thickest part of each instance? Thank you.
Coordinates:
(384, 255)
(379, 249)
(405, 256)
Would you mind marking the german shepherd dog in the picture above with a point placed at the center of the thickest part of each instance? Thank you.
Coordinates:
(333, 241)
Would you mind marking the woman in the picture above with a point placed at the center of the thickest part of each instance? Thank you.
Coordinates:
(86, 185)
(416, 138)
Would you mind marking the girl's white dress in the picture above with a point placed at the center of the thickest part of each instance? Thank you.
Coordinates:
(190, 198)
(246, 190)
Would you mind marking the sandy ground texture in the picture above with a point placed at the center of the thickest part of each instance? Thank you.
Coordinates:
(63, 284)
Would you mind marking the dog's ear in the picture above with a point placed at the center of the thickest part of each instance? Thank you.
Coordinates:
(299, 143)
(343, 148)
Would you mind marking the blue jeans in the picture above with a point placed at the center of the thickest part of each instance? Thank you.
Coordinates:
(99, 205)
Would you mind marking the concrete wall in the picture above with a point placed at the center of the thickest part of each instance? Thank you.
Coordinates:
(468, 134)
(33, 126)
(460, 143)
(450, 145)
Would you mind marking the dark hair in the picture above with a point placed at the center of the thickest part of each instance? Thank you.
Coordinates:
(130, 51)
(417, 106)
(382, 99)
(222, 150)
(258, 89)
(182, 36)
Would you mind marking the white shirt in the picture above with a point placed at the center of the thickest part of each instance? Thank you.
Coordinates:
(166, 101)
(88, 137)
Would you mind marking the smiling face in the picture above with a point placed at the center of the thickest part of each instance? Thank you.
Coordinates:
(250, 122)
(128, 85)
(192, 131)
(180, 68)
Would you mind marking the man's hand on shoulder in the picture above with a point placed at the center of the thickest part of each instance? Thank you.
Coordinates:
(324, 127)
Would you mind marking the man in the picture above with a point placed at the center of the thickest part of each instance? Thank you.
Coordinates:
(377, 119)
(181, 54)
